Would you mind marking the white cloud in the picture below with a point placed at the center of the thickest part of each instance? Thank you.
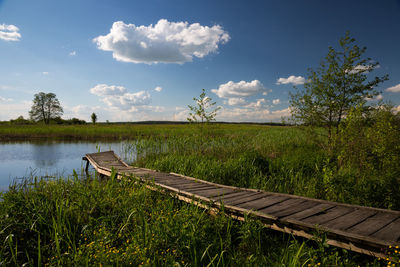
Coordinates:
(295, 80)
(362, 69)
(45, 73)
(105, 90)
(117, 98)
(164, 42)
(158, 88)
(73, 53)
(236, 101)
(128, 101)
(240, 89)
(394, 89)
(252, 115)
(257, 105)
(9, 32)
(276, 101)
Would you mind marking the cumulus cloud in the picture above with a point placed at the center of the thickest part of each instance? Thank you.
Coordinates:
(260, 103)
(118, 98)
(73, 53)
(394, 89)
(158, 88)
(239, 89)
(9, 32)
(276, 101)
(252, 115)
(236, 101)
(104, 90)
(295, 80)
(164, 42)
(45, 73)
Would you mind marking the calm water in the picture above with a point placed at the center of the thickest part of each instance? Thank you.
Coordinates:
(50, 158)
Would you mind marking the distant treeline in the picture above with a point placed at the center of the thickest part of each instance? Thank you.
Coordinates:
(74, 121)
(58, 120)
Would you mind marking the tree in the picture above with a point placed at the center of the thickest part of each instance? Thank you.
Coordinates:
(45, 107)
(94, 118)
(203, 111)
(338, 85)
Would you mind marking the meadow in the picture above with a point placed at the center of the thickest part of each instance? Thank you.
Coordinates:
(90, 221)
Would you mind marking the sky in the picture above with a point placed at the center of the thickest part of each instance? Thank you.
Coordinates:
(146, 60)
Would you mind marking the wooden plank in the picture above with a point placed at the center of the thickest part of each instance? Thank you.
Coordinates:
(295, 209)
(373, 224)
(390, 232)
(350, 219)
(281, 205)
(213, 192)
(234, 195)
(249, 197)
(330, 214)
(266, 201)
(195, 187)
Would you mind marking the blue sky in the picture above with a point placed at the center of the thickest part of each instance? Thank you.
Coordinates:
(146, 60)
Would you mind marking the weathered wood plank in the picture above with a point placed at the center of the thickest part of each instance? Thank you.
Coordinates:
(213, 192)
(350, 219)
(281, 205)
(373, 224)
(331, 214)
(390, 232)
(267, 200)
(294, 209)
(320, 208)
(233, 195)
(249, 197)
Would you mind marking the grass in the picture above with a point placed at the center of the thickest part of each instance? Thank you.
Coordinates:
(109, 131)
(91, 221)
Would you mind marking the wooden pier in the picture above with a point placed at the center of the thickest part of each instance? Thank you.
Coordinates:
(362, 229)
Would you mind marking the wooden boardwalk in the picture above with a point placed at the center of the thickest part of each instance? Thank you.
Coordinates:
(362, 229)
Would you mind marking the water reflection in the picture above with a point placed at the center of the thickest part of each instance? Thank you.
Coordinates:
(51, 158)
(45, 155)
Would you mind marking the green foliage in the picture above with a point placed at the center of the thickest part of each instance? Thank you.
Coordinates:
(94, 118)
(20, 121)
(45, 107)
(203, 111)
(339, 84)
(368, 153)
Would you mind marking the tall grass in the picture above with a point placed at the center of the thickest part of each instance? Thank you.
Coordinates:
(86, 222)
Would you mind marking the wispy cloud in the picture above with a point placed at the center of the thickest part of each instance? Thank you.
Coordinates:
(9, 32)
(276, 101)
(164, 42)
(45, 73)
(158, 89)
(295, 80)
(73, 53)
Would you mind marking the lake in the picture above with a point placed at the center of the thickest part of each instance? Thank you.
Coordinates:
(51, 158)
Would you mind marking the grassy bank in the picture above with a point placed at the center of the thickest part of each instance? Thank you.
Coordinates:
(87, 222)
(9, 132)
(92, 222)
